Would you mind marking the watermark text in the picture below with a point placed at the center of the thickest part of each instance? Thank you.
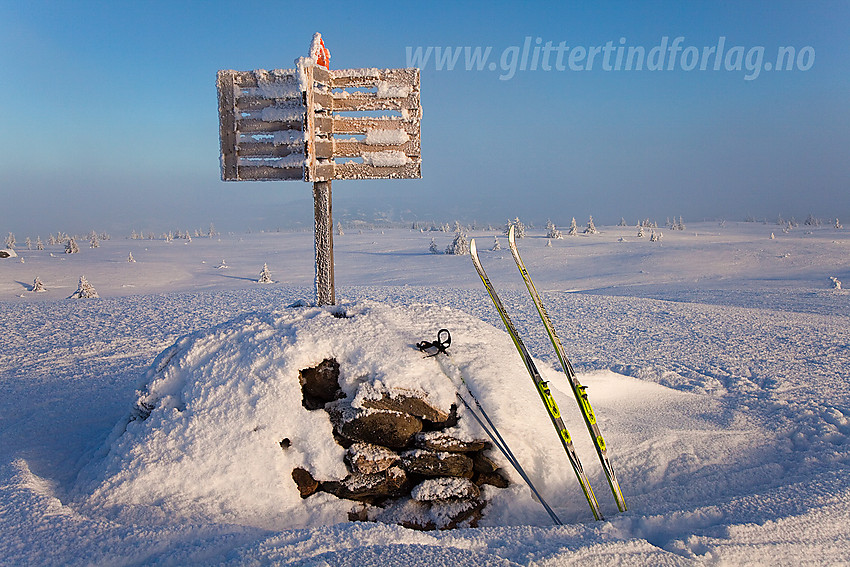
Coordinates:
(668, 55)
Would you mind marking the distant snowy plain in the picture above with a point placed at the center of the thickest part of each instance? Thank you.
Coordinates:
(716, 360)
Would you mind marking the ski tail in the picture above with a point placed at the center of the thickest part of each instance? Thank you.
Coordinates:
(541, 386)
(579, 391)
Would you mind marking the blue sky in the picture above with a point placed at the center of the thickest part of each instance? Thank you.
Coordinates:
(110, 118)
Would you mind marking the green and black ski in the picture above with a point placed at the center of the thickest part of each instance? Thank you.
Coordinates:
(541, 386)
(579, 391)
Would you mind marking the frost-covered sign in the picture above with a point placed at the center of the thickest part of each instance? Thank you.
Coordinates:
(313, 124)
(318, 124)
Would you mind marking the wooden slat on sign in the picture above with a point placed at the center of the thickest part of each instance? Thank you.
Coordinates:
(266, 173)
(359, 125)
(364, 171)
(368, 102)
(345, 148)
(370, 77)
(261, 150)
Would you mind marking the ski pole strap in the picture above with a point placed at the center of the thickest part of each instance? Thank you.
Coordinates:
(444, 341)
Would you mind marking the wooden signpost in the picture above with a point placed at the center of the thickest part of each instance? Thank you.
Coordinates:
(315, 124)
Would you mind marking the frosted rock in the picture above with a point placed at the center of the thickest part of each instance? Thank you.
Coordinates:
(444, 488)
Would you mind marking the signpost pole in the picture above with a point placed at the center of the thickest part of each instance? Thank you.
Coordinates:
(323, 230)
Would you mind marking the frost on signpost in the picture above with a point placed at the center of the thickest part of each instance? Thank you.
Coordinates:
(283, 125)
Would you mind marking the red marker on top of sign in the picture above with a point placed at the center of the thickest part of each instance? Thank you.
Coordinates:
(319, 53)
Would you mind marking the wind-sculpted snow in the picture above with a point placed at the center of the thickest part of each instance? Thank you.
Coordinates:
(724, 401)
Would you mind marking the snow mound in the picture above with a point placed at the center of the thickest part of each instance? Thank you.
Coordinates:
(219, 422)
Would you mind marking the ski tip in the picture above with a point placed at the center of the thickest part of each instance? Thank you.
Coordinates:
(511, 237)
(472, 248)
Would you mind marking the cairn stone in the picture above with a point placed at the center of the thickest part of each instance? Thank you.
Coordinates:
(366, 458)
(307, 485)
(481, 463)
(445, 488)
(444, 515)
(442, 441)
(434, 463)
(377, 427)
(369, 487)
(320, 384)
(494, 478)
(400, 400)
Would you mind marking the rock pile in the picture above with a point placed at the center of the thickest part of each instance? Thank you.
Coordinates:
(406, 467)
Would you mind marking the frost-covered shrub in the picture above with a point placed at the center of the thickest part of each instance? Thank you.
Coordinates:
(85, 290)
(10, 241)
(433, 247)
(39, 245)
(552, 231)
(459, 246)
(37, 285)
(573, 228)
(94, 241)
(836, 284)
(265, 275)
(339, 231)
(496, 245)
(71, 247)
(130, 258)
(519, 228)
(591, 228)
(640, 233)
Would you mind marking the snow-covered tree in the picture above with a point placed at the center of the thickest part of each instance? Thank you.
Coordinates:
(622, 222)
(548, 243)
(265, 275)
(591, 228)
(71, 246)
(838, 224)
(37, 285)
(573, 228)
(552, 231)
(84, 291)
(222, 266)
(39, 245)
(10, 241)
(519, 228)
(640, 233)
(94, 241)
(28, 243)
(836, 284)
(339, 231)
(433, 247)
(130, 258)
(496, 245)
(680, 224)
(459, 246)
(811, 220)
(51, 240)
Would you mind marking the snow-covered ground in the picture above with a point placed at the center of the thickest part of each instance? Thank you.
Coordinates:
(716, 362)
